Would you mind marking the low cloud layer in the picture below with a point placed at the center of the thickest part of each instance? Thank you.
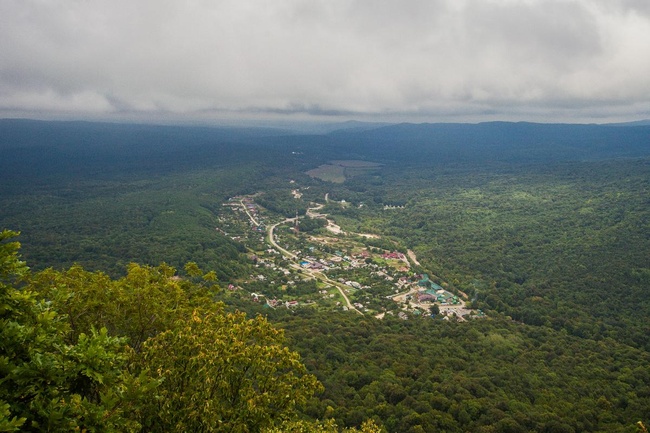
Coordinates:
(420, 60)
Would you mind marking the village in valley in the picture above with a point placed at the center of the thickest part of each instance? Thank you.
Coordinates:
(310, 261)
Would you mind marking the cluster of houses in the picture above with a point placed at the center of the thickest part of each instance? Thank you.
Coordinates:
(274, 303)
(269, 263)
(250, 208)
(250, 205)
(355, 261)
(353, 284)
(419, 288)
(315, 264)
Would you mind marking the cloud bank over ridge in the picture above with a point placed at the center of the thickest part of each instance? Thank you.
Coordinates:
(419, 60)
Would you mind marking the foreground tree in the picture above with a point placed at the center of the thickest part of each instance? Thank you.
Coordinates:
(147, 301)
(48, 384)
(224, 372)
(157, 363)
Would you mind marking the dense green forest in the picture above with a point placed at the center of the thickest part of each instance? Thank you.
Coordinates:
(561, 245)
(545, 227)
(149, 352)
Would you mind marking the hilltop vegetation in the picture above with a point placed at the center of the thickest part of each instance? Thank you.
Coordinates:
(545, 228)
(150, 352)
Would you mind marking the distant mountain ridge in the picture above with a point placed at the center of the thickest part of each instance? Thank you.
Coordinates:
(424, 143)
(504, 141)
(645, 122)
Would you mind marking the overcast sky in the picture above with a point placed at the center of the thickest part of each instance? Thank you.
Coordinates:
(399, 60)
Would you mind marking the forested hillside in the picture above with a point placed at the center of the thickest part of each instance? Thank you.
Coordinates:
(545, 228)
(562, 245)
(149, 352)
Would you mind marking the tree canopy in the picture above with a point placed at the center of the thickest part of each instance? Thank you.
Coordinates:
(81, 351)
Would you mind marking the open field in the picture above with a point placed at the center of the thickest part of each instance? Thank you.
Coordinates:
(340, 170)
(329, 173)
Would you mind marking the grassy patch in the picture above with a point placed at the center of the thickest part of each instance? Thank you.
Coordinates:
(340, 170)
(329, 173)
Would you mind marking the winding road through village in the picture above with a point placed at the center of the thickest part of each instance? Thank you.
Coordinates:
(311, 272)
(458, 310)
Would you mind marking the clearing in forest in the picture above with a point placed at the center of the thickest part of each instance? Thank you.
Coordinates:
(339, 170)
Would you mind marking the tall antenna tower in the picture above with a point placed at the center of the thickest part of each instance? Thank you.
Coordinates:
(296, 225)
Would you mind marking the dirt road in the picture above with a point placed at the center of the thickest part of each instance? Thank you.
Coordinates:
(413, 257)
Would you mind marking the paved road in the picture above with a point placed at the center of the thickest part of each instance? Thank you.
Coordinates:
(253, 220)
(339, 286)
(271, 239)
(311, 272)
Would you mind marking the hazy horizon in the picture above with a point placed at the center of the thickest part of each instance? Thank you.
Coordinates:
(469, 61)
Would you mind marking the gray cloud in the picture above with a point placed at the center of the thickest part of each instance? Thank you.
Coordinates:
(413, 59)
